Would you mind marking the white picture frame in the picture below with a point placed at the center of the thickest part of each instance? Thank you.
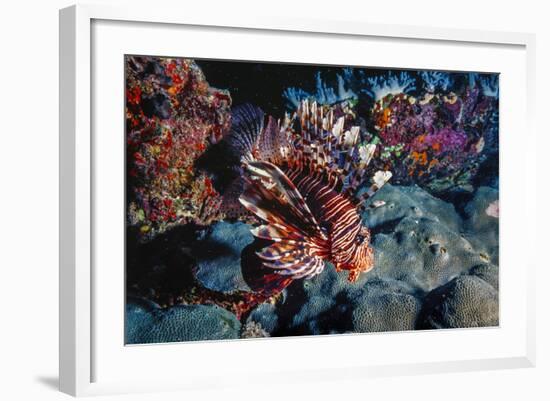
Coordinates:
(80, 341)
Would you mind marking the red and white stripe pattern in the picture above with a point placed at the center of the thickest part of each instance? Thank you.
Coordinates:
(302, 185)
(340, 219)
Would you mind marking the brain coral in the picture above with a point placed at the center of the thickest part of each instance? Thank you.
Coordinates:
(400, 202)
(148, 323)
(487, 272)
(385, 309)
(466, 301)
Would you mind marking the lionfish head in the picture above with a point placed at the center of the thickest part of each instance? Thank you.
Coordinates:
(363, 257)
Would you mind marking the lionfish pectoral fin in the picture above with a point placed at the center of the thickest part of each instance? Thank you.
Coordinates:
(247, 123)
(306, 269)
(280, 250)
(292, 261)
(272, 196)
(276, 212)
(275, 232)
(283, 183)
(260, 278)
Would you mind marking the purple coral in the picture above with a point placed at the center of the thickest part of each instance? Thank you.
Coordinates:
(444, 140)
(437, 140)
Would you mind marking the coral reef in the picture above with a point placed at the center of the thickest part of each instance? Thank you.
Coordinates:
(253, 330)
(413, 202)
(196, 272)
(429, 274)
(172, 115)
(218, 257)
(466, 301)
(436, 267)
(489, 85)
(482, 228)
(435, 81)
(436, 141)
(266, 316)
(324, 93)
(434, 129)
(380, 87)
(385, 309)
(148, 323)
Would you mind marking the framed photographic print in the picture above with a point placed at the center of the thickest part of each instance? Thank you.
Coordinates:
(350, 189)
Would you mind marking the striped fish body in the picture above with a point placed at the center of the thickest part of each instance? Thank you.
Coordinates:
(299, 179)
(347, 247)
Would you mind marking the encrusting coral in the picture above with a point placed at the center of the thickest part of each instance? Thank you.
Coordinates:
(172, 116)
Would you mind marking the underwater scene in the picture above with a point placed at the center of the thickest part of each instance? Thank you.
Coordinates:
(275, 199)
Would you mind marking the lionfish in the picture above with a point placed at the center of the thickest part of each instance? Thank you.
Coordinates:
(300, 179)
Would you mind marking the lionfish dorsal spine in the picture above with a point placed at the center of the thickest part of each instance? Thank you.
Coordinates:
(379, 179)
(301, 180)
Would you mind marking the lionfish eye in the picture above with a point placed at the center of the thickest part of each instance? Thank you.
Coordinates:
(360, 238)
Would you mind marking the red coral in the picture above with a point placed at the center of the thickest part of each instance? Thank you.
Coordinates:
(133, 95)
(183, 116)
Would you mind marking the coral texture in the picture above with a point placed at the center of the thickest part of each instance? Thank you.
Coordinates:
(438, 141)
(426, 276)
(253, 330)
(466, 301)
(172, 115)
(148, 323)
(219, 257)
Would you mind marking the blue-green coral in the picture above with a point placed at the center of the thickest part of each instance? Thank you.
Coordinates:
(146, 322)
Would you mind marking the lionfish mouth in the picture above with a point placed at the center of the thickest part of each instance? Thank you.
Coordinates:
(301, 177)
